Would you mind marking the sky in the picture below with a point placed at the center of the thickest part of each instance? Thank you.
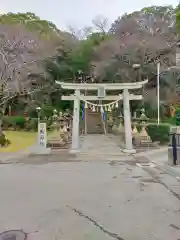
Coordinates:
(78, 13)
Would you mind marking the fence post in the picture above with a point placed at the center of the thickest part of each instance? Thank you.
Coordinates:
(174, 148)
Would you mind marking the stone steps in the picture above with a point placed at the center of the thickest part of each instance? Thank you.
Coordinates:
(94, 123)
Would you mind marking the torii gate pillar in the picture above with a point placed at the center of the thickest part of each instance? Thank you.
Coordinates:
(75, 128)
(127, 123)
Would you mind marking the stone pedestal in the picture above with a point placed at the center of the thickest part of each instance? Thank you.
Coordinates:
(74, 151)
(120, 129)
(130, 151)
(114, 128)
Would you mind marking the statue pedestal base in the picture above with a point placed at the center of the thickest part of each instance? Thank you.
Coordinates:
(74, 150)
(131, 151)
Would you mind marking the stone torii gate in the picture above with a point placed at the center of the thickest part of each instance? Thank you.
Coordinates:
(126, 97)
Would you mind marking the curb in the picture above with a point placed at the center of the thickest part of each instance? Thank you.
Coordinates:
(9, 159)
(164, 167)
(168, 169)
(152, 153)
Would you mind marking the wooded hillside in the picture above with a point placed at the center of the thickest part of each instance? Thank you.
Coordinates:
(34, 52)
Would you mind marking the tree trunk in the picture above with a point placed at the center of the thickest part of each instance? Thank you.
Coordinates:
(1, 119)
(1, 131)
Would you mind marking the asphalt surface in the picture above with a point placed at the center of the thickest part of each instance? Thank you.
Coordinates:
(89, 200)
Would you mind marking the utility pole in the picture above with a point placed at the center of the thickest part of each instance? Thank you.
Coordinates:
(1, 107)
(158, 97)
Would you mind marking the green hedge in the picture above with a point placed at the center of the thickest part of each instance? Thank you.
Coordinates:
(171, 120)
(159, 133)
(19, 122)
(32, 124)
(16, 122)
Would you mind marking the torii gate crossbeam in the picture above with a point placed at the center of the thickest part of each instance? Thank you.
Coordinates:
(107, 98)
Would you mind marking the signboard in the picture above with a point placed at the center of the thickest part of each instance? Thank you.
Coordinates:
(174, 129)
(42, 135)
(101, 92)
(178, 130)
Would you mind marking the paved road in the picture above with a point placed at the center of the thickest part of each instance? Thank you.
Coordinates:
(90, 199)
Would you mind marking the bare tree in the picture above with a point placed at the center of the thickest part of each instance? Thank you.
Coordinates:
(101, 24)
(76, 33)
(139, 41)
(21, 53)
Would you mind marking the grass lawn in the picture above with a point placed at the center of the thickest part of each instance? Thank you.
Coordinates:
(19, 140)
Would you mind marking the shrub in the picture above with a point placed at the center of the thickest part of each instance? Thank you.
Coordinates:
(4, 141)
(48, 123)
(7, 122)
(32, 124)
(159, 133)
(171, 120)
(19, 121)
(15, 122)
(31, 112)
(47, 110)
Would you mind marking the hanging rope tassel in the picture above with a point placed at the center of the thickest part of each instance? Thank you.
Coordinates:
(101, 109)
(86, 105)
(113, 106)
(93, 109)
(109, 108)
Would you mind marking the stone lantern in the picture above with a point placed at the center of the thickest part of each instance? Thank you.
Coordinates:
(135, 132)
(63, 130)
(61, 126)
(54, 116)
(110, 121)
(120, 126)
(143, 122)
(68, 117)
(60, 134)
